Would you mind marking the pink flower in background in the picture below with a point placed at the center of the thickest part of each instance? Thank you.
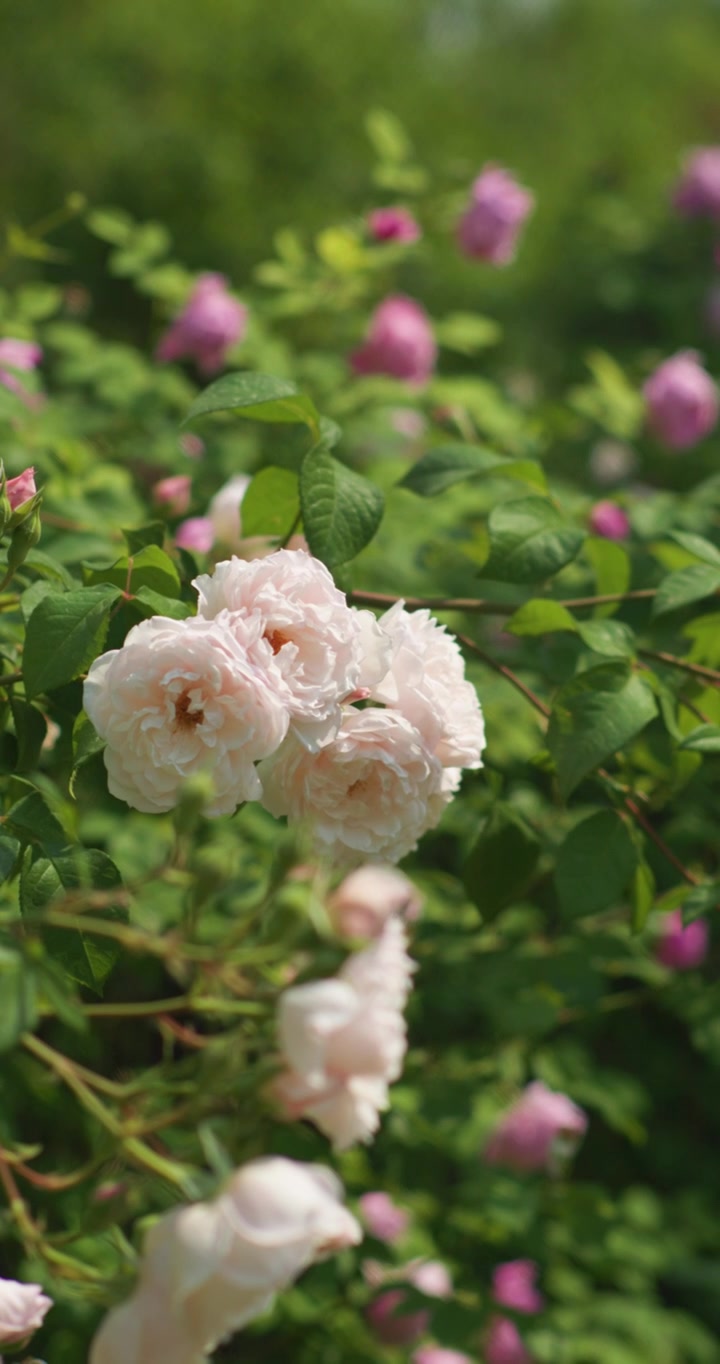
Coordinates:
(437, 1354)
(21, 489)
(697, 194)
(504, 1344)
(192, 445)
(539, 1126)
(368, 897)
(610, 521)
(211, 322)
(22, 1310)
(394, 1327)
(682, 949)
(196, 534)
(393, 225)
(383, 1218)
(682, 401)
(513, 1285)
(489, 228)
(174, 493)
(22, 355)
(399, 342)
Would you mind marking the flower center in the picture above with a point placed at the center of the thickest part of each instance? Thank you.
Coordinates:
(359, 787)
(277, 640)
(185, 718)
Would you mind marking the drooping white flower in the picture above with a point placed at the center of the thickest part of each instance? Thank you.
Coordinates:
(368, 897)
(183, 697)
(323, 648)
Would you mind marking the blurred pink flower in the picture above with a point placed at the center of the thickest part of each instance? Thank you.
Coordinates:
(393, 225)
(697, 193)
(197, 533)
(682, 401)
(540, 1125)
(399, 342)
(513, 1285)
(394, 1327)
(192, 446)
(21, 489)
(682, 949)
(368, 897)
(174, 493)
(22, 355)
(610, 521)
(211, 322)
(504, 1344)
(489, 228)
(437, 1354)
(383, 1218)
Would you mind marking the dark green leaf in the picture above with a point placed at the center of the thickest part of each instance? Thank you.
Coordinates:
(700, 900)
(18, 994)
(593, 716)
(529, 541)
(594, 864)
(9, 850)
(85, 957)
(30, 731)
(271, 505)
(259, 397)
(150, 567)
(501, 863)
(151, 534)
(686, 585)
(341, 510)
(34, 822)
(64, 634)
(704, 739)
(446, 465)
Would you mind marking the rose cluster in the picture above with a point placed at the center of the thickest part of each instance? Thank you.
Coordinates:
(281, 692)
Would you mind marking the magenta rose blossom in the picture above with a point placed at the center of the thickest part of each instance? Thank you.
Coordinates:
(513, 1285)
(393, 225)
(697, 193)
(21, 489)
(504, 1344)
(682, 401)
(383, 1218)
(610, 521)
(539, 1126)
(21, 355)
(399, 342)
(681, 949)
(489, 228)
(211, 322)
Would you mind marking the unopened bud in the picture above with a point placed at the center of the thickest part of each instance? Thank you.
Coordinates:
(196, 794)
(24, 538)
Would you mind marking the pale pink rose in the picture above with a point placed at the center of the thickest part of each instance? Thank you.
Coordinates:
(504, 1343)
(224, 510)
(610, 521)
(343, 1040)
(389, 1322)
(21, 489)
(371, 792)
(682, 948)
(681, 401)
(368, 897)
(697, 194)
(321, 647)
(489, 228)
(437, 1354)
(196, 534)
(426, 683)
(513, 1285)
(541, 1126)
(399, 342)
(211, 322)
(393, 225)
(23, 356)
(22, 1310)
(174, 493)
(383, 1218)
(183, 697)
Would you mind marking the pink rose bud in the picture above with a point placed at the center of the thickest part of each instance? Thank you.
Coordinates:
(436, 1354)
(192, 446)
(540, 1126)
(383, 1219)
(393, 225)
(399, 342)
(174, 493)
(610, 521)
(408, 423)
(21, 489)
(513, 1285)
(22, 1310)
(489, 228)
(682, 401)
(682, 949)
(697, 194)
(211, 322)
(22, 355)
(196, 534)
(504, 1344)
(368, 897)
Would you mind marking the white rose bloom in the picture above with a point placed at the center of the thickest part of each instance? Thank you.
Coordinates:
(368, 897)
(426, 682)
(211, 1267)
(323, 649)
(22, 1309)
(224, 510)
(344, 1040)
(183, 697)
(371, 792)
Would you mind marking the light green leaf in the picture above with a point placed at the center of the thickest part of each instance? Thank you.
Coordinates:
(593, 716)
(467, 332)
(387, 135)
(271, 505)
(446, 465)
(259, 397)
(64, 634)
(156, 604)
(699, 546)
(150, 567)
(611, 637)
(541, 617)
(704, 739)
(700, 900)
(611, 564)
(529, 541)
(684, 586)
(341, 510)
(594, 864)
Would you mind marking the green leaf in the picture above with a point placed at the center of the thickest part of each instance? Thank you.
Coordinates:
(30, 731)
(341, 510)
(86, 958)
(259, 397)
(700, 900)
(446, 465)
(593, 716)
(150, 567)
(501, 863)
(611, 564)
(467, 332)
(697, 545)
(64, 634)
(111, 225)
(540, 617)
(153, 533)
(642, 895)
(704, 739)
(18, 993)
(271, 505)
(594, 864)
(611, 637)
(684, 586)
(159, 605)
(529, 541)
(34, 822)
(9, 851)
(387, 135)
